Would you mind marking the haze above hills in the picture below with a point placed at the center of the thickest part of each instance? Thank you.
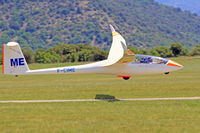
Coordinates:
(143, 23)
(190, 5)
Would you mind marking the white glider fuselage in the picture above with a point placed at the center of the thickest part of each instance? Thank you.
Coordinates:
(120, 61)
(124, 69)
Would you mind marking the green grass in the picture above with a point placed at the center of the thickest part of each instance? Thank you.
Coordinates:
(184, 82)
(120, 116)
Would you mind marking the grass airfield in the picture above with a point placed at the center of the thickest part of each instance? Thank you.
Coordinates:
(103, 116)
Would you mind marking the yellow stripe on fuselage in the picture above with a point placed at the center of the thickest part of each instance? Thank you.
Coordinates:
(115, 33)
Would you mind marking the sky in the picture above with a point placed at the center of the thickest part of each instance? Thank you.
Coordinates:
(190, 5)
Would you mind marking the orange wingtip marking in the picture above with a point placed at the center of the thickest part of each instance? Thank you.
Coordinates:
(123, 76)
(3, 59)
(173, 64)
(125, 62)
(130, 52)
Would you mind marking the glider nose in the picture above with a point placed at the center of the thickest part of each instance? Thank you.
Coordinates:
(175, 64)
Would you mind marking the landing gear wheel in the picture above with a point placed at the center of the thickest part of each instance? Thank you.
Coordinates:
(126, 78)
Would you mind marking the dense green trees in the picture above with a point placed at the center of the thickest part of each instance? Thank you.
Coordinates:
(162, 51)
(0, 59)
(195, 51)
(143, 23)
(3, 25)
(176, 49)
(70, 53)
(29, 55)
(86, 53)
(43, 56)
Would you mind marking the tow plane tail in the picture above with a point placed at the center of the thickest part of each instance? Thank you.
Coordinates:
(14, 62)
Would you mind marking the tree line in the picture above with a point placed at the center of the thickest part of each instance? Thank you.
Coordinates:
(144, 22)
(65, 53)
(87, 53)
(175, 49)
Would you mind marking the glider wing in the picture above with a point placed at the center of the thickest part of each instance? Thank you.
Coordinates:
(119, 53)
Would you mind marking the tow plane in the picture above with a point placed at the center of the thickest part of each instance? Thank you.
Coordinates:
(121, 62)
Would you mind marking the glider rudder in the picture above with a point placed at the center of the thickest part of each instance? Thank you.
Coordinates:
(14, 62)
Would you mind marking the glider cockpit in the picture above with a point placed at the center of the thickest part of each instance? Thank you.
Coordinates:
(150, 59)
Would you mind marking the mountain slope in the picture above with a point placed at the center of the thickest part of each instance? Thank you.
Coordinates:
(190, 5)
(144, 23)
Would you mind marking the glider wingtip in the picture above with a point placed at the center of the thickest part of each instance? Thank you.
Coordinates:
(112, 28)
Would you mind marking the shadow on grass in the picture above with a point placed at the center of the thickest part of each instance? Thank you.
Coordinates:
(108, 98)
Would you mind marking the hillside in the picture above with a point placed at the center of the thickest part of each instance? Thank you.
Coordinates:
(190, 5)
(144, 23)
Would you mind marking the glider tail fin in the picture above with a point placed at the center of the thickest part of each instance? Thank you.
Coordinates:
(14, 62)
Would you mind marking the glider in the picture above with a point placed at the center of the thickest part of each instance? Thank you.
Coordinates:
(121, 62)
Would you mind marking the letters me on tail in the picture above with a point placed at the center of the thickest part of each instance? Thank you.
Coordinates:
(121, 62)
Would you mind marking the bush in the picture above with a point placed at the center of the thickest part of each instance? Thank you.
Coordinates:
(195, 51)
(1, 59)
(28, 55)
(154, 52)
(79, 52)
(176, 49)
(163, 51)
(84, 55)
(46, 57)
